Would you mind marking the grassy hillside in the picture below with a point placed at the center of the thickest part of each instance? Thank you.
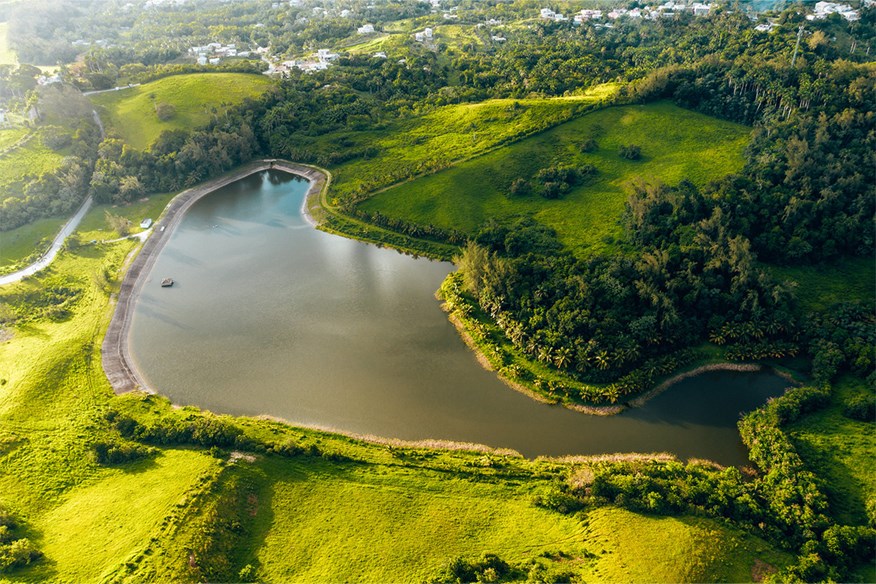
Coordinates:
(445, 136)
(18, 244)
(130, 113)
(7, 55)
(32, 157)
(360, 511)
(676, 144)
(843, 452)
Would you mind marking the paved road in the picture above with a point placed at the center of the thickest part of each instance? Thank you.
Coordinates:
(57, 244)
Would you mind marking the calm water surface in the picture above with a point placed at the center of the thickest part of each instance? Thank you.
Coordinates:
(270, 316)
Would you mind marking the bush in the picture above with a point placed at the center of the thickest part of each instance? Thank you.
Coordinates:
(589, 145)
(56, 138)
(630, 152)
(165, 111)
(110, 453)
(520, 188)
(860, 407)
(20, 552)
(247, 574)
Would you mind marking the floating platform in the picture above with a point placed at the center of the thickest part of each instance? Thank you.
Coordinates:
(167, 283)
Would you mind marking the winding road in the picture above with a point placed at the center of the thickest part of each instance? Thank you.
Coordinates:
(58, 242)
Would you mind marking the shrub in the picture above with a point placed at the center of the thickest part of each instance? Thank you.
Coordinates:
(247, 573)
(630, 152)
(57, 138)
(589, 145)
(110, 453)
(520, 188)
(860, 407)
(165, 111)
(20, 552)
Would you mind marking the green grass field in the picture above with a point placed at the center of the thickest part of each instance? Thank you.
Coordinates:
(676, 144)
(130, 113)
(819, 287)
(20, 243)
(33, 158)
(843, 452)
(7, 55)
(10, 136)
(395, 515)
(445, 136)
(95, 227)
(428, 519)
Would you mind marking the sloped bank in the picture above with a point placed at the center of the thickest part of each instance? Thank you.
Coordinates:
(117, 362)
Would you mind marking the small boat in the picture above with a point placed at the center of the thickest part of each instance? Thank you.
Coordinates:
(167, 283)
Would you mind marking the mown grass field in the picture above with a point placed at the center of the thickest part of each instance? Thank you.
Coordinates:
(676, 144)
(396, 514)
(130, 113)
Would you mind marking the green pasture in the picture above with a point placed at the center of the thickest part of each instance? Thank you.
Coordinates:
(130, 113)
(32, 158)
(396, 515)
(21, 242)
(676, 144)
(329, 523)
(843, 452)
(445, 136)
(7, 55)
(641, 548)
(820, 287)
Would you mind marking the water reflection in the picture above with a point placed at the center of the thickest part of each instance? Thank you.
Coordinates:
(270, 316)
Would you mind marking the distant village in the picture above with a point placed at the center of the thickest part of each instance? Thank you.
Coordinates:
(214, 53)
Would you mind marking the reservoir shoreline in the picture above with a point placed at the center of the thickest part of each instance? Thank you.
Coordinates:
(118, 364)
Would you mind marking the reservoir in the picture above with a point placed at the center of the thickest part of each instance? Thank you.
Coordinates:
(268, 315)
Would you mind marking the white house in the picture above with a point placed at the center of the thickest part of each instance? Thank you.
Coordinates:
(215, 61)
(498, 39)
(202, 60)
(700, 9)
(365, 29)
(548, 14)
(325, 55)
(427, 33)
(825, 9)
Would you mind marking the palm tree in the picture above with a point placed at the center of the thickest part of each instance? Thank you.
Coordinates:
(562, 356)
